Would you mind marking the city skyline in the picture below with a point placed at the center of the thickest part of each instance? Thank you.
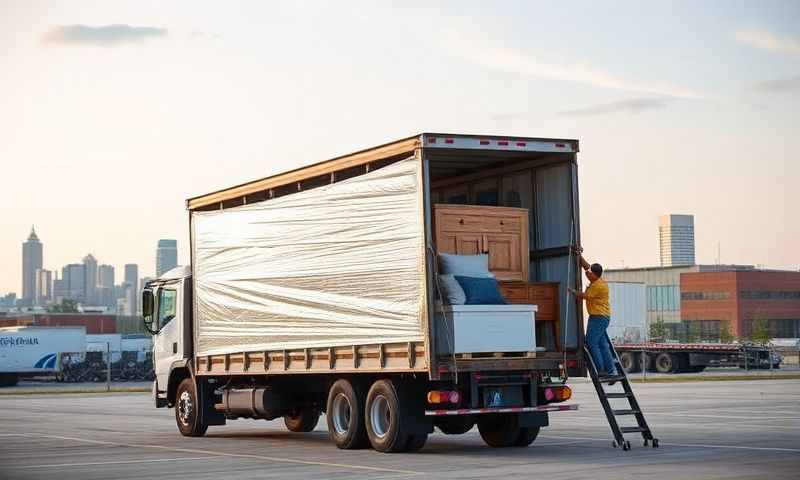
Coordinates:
(685, 107)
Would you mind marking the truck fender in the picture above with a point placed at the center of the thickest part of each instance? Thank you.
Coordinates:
(177, 372)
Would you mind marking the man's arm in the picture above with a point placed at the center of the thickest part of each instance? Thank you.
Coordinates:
(579, 253)
(578, 294)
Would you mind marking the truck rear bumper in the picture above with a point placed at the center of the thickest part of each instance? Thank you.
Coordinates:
(477, 411)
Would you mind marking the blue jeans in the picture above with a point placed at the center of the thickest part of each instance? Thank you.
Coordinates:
(598, 343)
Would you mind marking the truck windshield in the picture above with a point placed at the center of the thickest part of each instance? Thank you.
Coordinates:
(166, 306)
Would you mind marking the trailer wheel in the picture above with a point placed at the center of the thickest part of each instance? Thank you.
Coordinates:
(187, 408)
(500, 430)
(385, 418)
(416, 442)
(303, 420)
(666, 363)
(455, 425)
(345, 416)
(631, 362)
(526, 436)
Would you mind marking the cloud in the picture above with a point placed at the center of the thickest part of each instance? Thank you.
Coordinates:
(103, 35)
(525, 63)
(781, 85)
(633, 105)
(764, 40)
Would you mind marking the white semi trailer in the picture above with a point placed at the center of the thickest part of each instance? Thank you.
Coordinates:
(36, 350)
(316, 291)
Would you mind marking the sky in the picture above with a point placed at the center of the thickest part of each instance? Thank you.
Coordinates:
(112, 114)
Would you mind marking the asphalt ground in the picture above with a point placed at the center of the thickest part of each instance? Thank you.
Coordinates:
(737, 429)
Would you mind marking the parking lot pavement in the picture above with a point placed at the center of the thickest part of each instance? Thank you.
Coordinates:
(707, 430)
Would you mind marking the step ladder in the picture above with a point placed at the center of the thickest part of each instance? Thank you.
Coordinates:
(611, 412)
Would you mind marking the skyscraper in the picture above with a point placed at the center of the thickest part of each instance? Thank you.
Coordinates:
(31, 260)
(105, 285)
(90, 278)
(676, 239)
(73, 278)
(44, 287)
(166, 256)
(132, 279)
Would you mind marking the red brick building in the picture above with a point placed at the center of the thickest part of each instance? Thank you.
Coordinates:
(740, 297)
(94, 323)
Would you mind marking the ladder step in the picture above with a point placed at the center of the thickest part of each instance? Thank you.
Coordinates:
(625, 412)
(633, 429)
(617, 378)
(617, 395)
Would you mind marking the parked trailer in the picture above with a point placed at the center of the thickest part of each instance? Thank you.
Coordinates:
(36, 350)
(692, 357)
(316, 290)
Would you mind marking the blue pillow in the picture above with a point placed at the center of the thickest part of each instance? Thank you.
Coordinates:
(481, 290)
(464, 265)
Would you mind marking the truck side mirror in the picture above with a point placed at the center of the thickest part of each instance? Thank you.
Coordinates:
(147, 310)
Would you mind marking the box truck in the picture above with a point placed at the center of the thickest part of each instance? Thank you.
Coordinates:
(320, 290)
(36, 350)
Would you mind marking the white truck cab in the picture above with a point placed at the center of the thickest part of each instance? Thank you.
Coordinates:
(166, 306)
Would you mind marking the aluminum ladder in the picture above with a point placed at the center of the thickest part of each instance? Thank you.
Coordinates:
(612, 413)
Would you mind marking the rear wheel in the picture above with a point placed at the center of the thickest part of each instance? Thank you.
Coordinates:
(500, 430)
(304, 420)
(386, 418)
(187, 410)
(455, 425)
(345, 416)
(526, 436)
(666, 363)
(416, 442)
(631, 362)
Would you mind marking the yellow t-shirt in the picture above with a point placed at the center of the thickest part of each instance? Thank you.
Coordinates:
(597, 298)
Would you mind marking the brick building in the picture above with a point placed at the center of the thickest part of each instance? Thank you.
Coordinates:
(738, 298)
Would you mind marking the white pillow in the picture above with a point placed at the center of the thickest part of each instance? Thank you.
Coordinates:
(465, 265)
(451, 290)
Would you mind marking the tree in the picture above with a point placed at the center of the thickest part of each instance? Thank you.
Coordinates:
(759, 331)
(725, 334)
(67, 305)
(658, 331)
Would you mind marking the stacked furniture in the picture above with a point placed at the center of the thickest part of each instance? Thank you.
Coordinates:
(502, 234)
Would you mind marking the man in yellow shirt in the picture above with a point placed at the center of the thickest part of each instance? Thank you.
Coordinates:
(599, 308)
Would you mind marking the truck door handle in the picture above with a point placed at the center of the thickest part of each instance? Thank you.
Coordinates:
(175, 347)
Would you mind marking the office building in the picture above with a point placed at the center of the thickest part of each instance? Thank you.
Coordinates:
(44, 287)
(31, 261)
(676, 240)
(90, 279)
(105, 276)
(132, 279)
(166, 256)
(74, 282)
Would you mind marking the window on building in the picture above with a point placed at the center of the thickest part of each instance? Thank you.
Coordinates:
(705, 295)
(663, 298)
(769, 295)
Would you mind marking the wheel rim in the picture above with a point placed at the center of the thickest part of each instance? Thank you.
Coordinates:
(380, 416)
(341, 414)
(665, 363)
(185, 407)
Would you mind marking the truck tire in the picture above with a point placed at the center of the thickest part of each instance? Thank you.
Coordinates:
(455, 425)
(631, 362)
(526, 436)
(187, 408)
(386, 417)
(345, 416)
(416, 442)
(500, 430)
(303, 420)
(666, 363)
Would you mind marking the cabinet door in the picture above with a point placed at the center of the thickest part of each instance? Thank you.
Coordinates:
(505, 259)
(469, 244)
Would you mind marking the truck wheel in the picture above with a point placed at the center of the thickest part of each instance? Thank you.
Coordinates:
(416, 442)
(526, 436)
(187, 409)
(345, 416)
(304, 420)
(385, 418)
(631, 362)
(455, 425)
(500, 430)
(666, 363)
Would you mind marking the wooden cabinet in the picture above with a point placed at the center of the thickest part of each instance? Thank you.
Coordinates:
(502, 232)
(545, 296)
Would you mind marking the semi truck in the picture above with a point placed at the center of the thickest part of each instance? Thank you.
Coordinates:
(318, 291)
(36, 350)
